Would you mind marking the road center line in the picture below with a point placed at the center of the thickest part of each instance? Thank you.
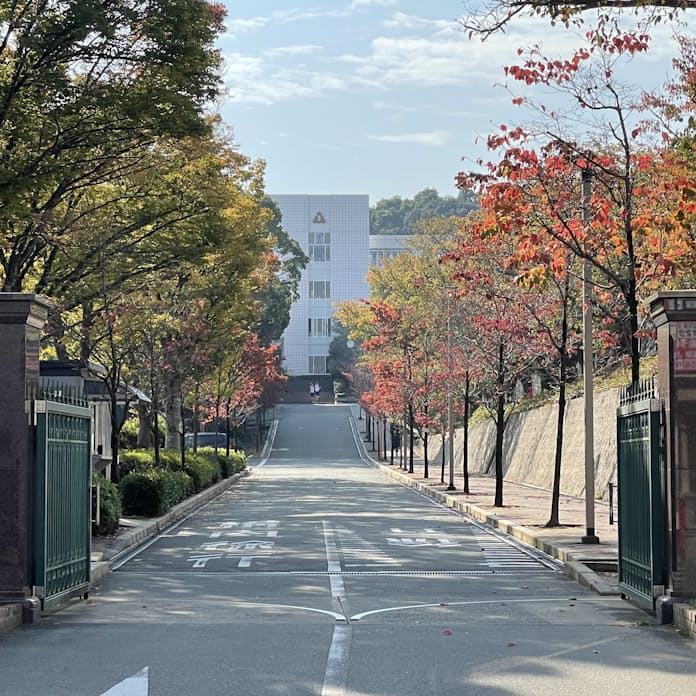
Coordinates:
(333, 562)
(336, 673)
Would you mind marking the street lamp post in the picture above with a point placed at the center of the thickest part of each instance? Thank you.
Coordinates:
(590, 536)
(450, 395)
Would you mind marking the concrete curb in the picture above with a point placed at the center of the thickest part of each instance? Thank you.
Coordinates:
(10, 617)
(684, 619)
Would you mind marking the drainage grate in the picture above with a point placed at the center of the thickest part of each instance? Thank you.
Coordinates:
(352, 573)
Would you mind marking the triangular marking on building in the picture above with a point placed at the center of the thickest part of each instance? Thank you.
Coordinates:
(318, 219)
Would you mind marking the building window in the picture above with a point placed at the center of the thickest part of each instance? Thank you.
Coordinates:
(319, 289)
(320, 246)
(319, 327)
(317, 364)
(376, 257)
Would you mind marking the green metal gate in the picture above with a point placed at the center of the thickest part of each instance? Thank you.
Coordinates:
(62, 522)
(641, 535)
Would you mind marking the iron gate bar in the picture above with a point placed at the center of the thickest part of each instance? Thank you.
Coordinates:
(63, 498)
(640, 494)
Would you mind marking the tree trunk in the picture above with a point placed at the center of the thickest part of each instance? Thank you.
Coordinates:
(227, 429)
(411, 437)
(554, 520)
(172, 438)
(500, 429)
(155, 432)
(144, 430)
(499, 434)
(465, 444)
(442, 468)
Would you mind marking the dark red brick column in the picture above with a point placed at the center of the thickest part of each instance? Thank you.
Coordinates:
(674, 315)
(22, 318)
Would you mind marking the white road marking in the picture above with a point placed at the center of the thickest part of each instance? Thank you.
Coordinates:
(137, 685)
(200, 561)
(336, 673)
(407, 541)
(333, 562)
(564, 600)
(360, 552)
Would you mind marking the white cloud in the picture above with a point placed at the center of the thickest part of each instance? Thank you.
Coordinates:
(401, 20)
(380, 105)
(237, 26)
(251, 80)
(371, 3)
(296, 50)
(435, 138)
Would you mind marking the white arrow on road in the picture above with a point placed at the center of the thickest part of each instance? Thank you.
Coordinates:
(137, 685)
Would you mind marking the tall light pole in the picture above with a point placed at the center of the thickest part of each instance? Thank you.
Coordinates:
(450, 395)
(590, 536)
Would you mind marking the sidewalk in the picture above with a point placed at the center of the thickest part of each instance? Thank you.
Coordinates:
(525, 511)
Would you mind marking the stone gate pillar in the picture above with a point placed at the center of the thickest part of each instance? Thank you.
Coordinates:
(21, 319)
(674, 315)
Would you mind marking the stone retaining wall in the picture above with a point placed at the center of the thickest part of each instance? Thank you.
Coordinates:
(530, 445)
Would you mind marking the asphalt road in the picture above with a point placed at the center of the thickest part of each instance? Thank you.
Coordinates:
(319, 576)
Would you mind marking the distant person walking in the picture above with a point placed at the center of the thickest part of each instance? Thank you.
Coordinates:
(311, 391)
(317, 389)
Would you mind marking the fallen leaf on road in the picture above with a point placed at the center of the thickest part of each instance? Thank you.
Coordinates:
(511, 644)
(447, 632)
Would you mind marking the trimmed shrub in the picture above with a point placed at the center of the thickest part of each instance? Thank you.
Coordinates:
(227, 466)
(203, 468)
(233, 464)
(154, 491)
(128, 437)
(135, 460)
(110, 508)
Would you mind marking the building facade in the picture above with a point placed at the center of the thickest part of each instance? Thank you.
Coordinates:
(387, 246)
(333, 230)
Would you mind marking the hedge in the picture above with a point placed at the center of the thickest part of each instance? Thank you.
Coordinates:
(228, 466)
(149, 491)
(154, 491)
(110, 508)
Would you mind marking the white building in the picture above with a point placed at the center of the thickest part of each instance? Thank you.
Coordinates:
(333, 230)
(387, 246)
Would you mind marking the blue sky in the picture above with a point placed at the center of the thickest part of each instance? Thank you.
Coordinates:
(384, 97)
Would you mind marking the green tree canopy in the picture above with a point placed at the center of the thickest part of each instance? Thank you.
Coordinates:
(398, 215)
(85, 89)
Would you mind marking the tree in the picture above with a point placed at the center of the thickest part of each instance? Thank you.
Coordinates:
(496, 15)
(504, 343)
(283, 283)
(85, 92)
(627, 241)
(404, 215)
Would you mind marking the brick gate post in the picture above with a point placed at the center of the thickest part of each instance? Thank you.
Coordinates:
(674, 314)
(22, 318)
